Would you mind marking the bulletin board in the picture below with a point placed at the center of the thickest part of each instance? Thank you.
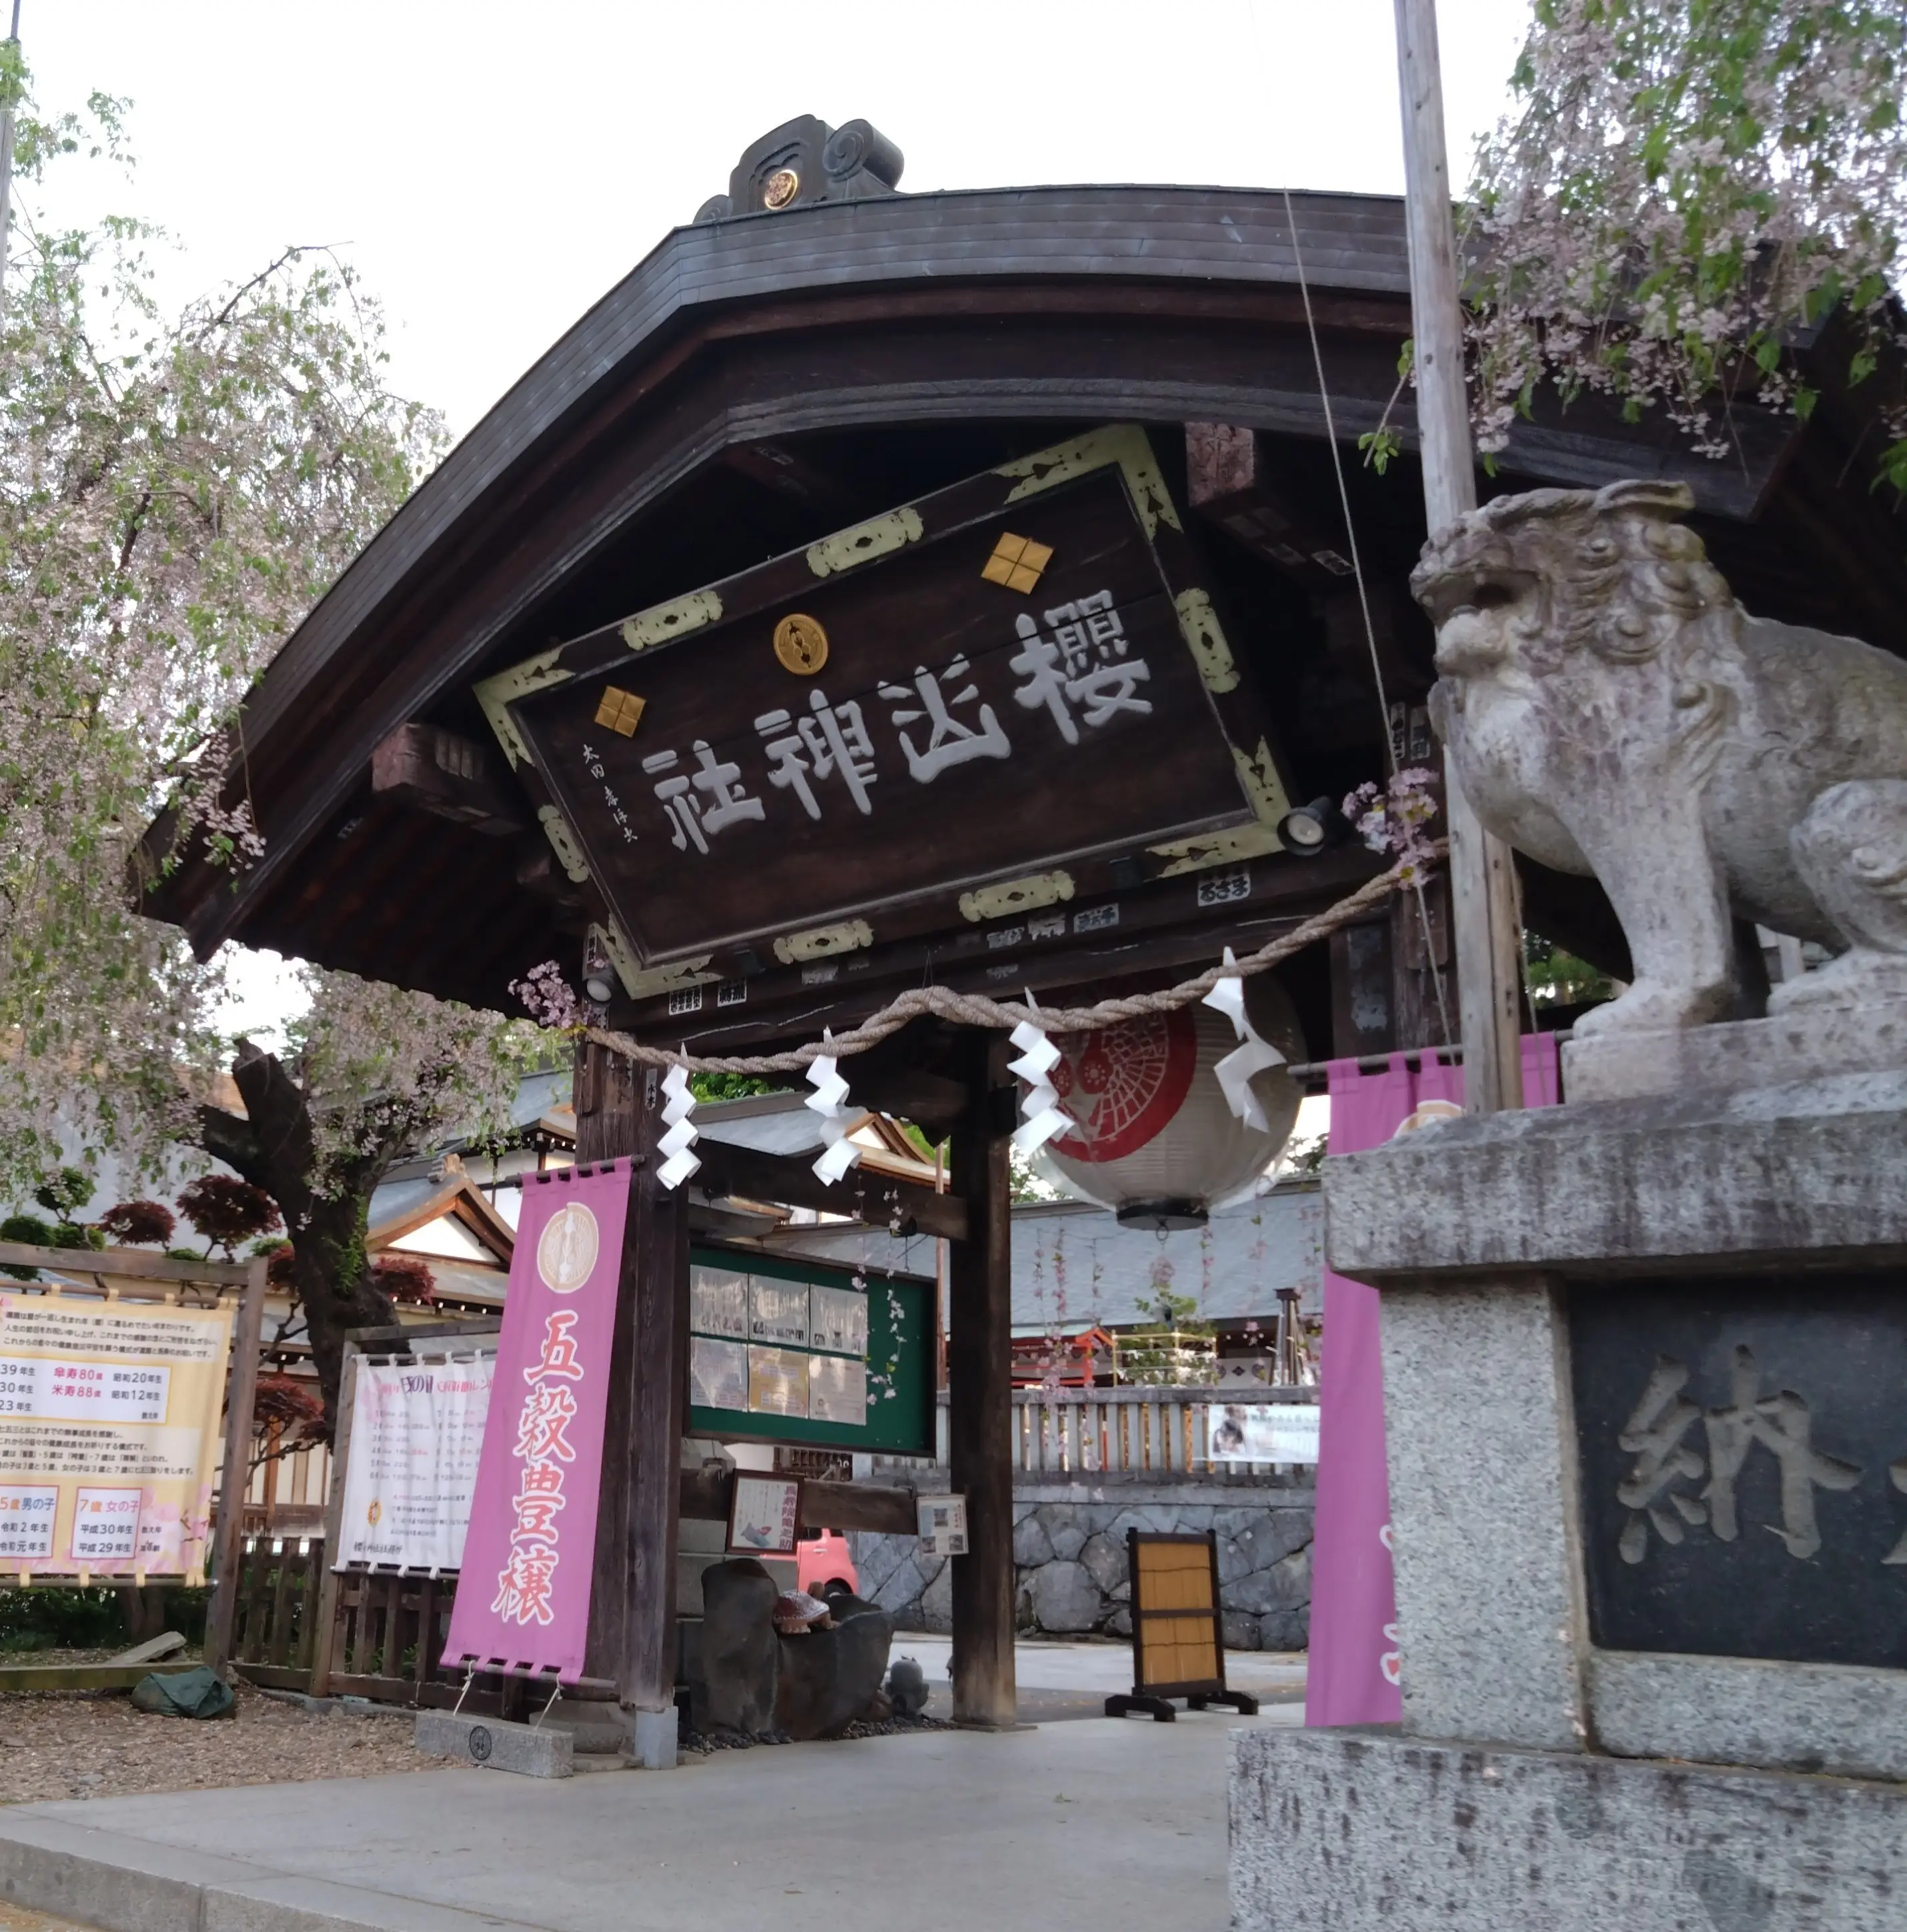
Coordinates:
(784, 1349)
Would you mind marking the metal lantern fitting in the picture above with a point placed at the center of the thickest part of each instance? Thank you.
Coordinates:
(1310, 830)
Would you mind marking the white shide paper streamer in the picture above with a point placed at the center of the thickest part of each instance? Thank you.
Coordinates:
(675, 1146)
(829, 1098)
(1043, 1117)
(1251, 1058)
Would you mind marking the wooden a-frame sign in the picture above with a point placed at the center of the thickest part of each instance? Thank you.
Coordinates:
(1178, 1627)
(1012, 691)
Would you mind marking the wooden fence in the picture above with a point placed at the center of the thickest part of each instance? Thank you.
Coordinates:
(1157, 1431)
(273, 1629)
(288, 1489)
(387, 1632)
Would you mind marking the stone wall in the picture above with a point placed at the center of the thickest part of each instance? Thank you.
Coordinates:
(1069, 1549)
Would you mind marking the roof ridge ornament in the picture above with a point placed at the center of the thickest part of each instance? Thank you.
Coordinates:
(805, 162)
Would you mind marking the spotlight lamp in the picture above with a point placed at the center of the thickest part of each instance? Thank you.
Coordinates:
(1310, 829)
(598, 984)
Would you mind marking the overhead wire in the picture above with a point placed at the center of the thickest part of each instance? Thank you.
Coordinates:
(1363, 593)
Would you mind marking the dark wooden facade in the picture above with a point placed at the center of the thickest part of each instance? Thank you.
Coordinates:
(760, 382)
(756, 383)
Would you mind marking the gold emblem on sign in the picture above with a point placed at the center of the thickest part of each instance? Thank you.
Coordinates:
(781, 187)
(620, 711)
(801, 644)
(566, 1250)
(1017, 562)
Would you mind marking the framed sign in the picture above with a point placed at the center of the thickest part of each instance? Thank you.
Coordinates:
(943, 1524)
(783, 1349)
(764, 1516)
(1024, 666)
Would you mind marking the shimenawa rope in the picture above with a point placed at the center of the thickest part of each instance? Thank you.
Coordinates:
(977, 1009)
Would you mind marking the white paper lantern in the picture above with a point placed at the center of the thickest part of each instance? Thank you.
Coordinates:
(1157, 1141)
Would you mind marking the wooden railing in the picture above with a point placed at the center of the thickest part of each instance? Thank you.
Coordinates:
(288, 1489)
(274, 1631)
(387, 1632)
(1158, 1431)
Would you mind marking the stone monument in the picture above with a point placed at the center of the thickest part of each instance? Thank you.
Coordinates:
(1645, 1354)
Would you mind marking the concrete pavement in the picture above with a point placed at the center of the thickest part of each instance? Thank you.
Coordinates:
(1096, 1825)
(1102, 1667)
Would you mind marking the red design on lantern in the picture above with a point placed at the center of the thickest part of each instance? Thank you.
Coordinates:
(1122, 1087)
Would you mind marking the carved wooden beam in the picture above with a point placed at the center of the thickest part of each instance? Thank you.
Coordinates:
(452, 776)
(776, 467)
(888, 1082)
(750, 1175)
(705, 1495)
(1231, 484)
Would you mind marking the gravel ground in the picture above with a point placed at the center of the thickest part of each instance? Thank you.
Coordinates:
(700, 1743)
(17, 1919)
(69, 1743)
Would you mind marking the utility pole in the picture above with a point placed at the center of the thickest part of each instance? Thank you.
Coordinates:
(1482, 885)
(7, 156)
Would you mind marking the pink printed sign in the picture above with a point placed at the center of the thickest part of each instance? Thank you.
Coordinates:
(1355, 1663)
(523, 1596)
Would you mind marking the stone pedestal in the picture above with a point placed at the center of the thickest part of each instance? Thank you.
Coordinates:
(1646, 1388)
(1346, 1829)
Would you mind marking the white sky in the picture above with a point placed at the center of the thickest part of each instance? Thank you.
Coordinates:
(492, 171)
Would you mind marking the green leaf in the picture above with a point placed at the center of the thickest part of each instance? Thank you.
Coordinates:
(1891, 471)
(1380, 446)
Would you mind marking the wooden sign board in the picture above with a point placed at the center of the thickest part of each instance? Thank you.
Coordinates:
(1013, 690)
(1178, 1627)
(784, 1349)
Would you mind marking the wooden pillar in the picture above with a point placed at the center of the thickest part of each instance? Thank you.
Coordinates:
(1423, 965)
(324, 1617)
(655, 1278)
(631, 1630)
(241, 1399)
(1487, 944)
(1363, 998)
(979, 1394)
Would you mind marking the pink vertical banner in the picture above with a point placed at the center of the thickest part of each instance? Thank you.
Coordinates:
(1356, 1662)
(1353, 1675)
(1436, 1080)
(523, 1594)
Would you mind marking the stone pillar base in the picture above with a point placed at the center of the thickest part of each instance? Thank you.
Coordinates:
(654, 1739)
(1366, 1830)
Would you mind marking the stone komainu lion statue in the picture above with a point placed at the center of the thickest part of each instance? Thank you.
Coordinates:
(1612, 709)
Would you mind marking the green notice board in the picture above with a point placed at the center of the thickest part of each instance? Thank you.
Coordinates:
(784, 1349)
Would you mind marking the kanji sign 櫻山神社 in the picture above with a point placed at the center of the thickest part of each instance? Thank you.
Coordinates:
(1025, 661)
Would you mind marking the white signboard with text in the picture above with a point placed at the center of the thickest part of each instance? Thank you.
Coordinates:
(1264, 1432)
(410, 1470)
